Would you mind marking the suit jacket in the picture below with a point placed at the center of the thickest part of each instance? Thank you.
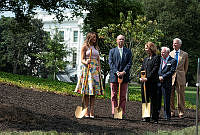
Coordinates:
(167, 71)
(181, 69)
(151, 67)
(120, 64)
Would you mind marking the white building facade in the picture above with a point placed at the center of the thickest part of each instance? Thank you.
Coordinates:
(72, 37)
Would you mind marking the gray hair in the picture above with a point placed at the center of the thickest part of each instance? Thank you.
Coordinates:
(179, 40)
(165, 48)
(120, 35)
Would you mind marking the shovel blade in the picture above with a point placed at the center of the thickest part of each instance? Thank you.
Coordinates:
(146, 110)
(80, 112)
(118, 113)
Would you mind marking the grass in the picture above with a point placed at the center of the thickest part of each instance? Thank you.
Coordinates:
(185, 131)
(190, 97)
(37, 83)
(34, 133)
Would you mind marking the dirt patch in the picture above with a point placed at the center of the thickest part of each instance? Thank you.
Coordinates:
(27, 110)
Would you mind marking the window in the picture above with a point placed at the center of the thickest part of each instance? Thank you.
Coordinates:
(75, 36)
(61, 35)
(74, 59)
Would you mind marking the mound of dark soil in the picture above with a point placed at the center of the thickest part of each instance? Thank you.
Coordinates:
(28, 109)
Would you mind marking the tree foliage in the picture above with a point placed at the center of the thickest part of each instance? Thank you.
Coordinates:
(19, 43)
(53, 58)
(24, 8)
(136, 33)
(104, 12)
(27, 49)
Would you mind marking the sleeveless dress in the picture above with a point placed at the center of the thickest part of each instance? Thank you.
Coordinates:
(94, 83)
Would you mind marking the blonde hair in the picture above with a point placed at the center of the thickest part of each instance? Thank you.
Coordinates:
(88, 39)
(151, 47)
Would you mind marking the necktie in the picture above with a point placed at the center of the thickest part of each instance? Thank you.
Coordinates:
(176, 57)
(120, 52)
(163, 63)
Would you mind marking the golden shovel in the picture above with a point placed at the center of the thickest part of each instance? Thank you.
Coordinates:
(118, 109)
(82, 110)
(145, 106)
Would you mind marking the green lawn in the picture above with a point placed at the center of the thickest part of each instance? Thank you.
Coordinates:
(190, 95)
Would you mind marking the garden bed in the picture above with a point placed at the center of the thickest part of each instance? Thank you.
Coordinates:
(23, 109)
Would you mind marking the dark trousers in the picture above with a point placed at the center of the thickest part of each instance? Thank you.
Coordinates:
(151, 95)
(166, 93)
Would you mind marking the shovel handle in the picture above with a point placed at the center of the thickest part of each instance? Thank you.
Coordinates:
(101, 78)
(120, 80)
(143, 75)
(145, 96)
(86, 79)
(83, 101)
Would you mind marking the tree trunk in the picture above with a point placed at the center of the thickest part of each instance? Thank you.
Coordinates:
(54, 75)
(15, 68)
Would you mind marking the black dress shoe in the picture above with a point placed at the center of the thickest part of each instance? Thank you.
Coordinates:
(181, 116)
(145, 120)
(155, 121)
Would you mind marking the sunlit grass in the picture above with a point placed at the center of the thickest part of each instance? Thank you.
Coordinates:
(34, 133)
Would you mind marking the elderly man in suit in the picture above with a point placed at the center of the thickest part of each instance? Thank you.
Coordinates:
(179, 77)
(165, 72)
(120, 61)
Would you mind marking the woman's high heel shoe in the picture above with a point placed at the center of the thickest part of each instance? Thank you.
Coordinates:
(86, 116)
(92, 116)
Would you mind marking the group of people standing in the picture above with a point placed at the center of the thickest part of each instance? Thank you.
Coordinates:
(164, 75)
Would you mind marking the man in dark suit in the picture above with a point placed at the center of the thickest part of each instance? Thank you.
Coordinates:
(165, 72)
(120, 61)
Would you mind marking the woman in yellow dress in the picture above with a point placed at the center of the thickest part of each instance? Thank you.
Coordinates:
(93, 84)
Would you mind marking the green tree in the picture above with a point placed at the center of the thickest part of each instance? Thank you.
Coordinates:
(37, 43)
(23, 8)
(14, 41)
(19, 43)
(104, 12)
(178, 18)
(137, 33)
(53, 58)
